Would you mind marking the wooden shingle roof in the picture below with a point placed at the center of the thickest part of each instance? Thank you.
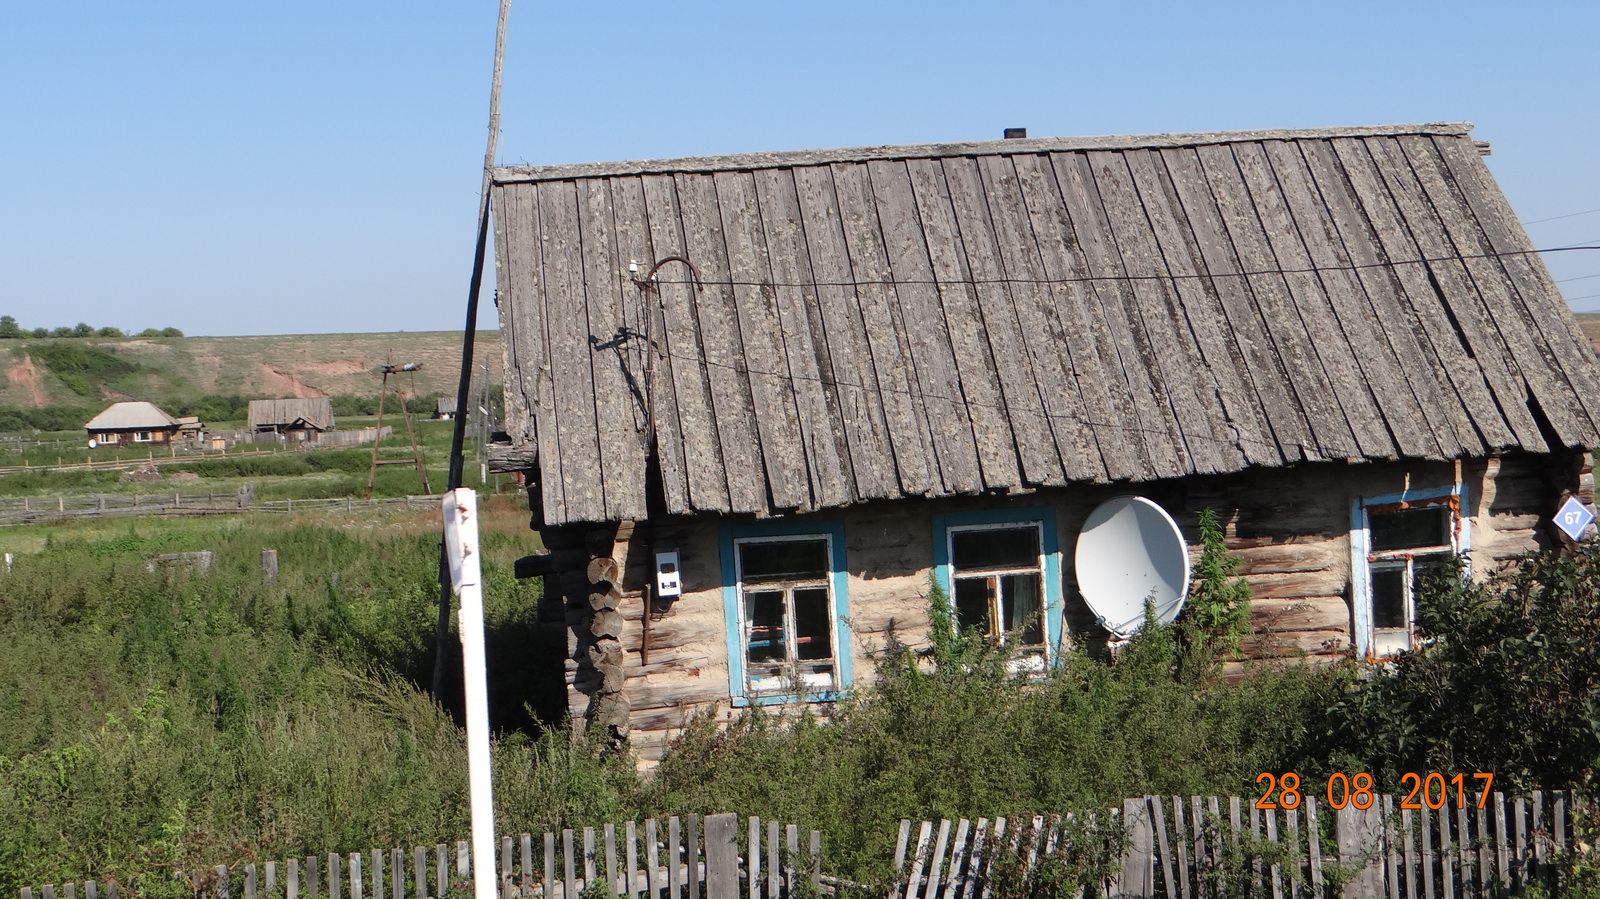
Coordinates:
(933, 320)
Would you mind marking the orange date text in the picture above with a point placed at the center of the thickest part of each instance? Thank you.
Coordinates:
(1432, 790)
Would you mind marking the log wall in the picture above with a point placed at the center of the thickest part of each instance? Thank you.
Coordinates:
(1289, 525)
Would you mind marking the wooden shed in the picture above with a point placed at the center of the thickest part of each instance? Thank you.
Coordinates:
(300, 420)
(813, 383)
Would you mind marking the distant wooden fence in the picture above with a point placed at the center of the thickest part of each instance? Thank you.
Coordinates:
(680, 858)
(1195, 849)
(29, 509)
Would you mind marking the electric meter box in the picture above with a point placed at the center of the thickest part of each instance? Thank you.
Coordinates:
(668, 584)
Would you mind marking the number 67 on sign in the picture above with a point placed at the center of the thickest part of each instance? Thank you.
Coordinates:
(1574, 517)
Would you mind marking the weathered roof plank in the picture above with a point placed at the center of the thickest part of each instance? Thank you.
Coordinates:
(1040, 333)
(1239, 420)
(1443, 408)
(1102, 386)
(1148, 421)
(704, 470)
(997, 316)
(1422, 294)
(717, 320)
(932, 351)
(821, 434)
(841, 335)
(771, 385)
(999, 324)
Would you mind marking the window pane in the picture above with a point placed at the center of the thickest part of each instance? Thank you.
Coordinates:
(992, 548)
(763, 613)
(1389, 595)
(784, 560)
(812, 636)
(1410, 528)
(1019, 601)
(972, 603)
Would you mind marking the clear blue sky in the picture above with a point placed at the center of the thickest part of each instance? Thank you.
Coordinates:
(247, 167)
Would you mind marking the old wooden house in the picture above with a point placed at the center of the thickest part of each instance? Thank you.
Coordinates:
(762, 402)
(133, 422)
(301, 420)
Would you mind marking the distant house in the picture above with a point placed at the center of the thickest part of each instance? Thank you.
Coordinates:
(298, 420)
(444, 408)
(124, 424)
(762, 402)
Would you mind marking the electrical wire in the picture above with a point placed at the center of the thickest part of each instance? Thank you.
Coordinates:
(1569, 215)
(1084, 279)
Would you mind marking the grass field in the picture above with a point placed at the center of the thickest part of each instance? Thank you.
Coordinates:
(283, 474)
(164, 370)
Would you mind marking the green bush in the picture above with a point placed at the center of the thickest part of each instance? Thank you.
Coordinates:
(1507, 680)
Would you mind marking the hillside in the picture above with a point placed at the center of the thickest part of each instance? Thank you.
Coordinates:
(1590, 323)
(88, 371)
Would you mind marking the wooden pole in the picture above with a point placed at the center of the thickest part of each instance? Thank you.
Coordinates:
(377, 438)
(469, 332)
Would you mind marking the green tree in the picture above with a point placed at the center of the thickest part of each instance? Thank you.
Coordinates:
(39, 332)
(83, 329)
(62, 331)
(109, 331)
(8, 327)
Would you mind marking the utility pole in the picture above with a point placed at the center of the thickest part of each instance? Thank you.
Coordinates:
(464, 386)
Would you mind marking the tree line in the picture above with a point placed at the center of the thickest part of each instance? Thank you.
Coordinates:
(10, 329)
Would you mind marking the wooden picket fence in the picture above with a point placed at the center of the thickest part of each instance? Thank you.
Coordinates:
(681, 858)
(1206, 848)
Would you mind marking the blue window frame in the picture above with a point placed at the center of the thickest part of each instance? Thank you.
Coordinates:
(785, 611)
(1001, 571)
(1394, 538)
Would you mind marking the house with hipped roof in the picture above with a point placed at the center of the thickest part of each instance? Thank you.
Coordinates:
(765, 404)
(136, 422)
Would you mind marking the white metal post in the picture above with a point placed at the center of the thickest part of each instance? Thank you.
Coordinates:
(461, 547)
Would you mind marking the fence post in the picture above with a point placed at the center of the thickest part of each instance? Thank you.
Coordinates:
(722, 857)
(1138, 861)
(269, 565)
(1358, 832)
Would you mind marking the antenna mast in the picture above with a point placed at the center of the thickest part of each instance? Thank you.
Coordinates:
(464, 385)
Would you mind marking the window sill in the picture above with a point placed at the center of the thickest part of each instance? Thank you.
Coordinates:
(765, 699)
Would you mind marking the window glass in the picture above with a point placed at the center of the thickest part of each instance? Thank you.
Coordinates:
(813, 636)
(1389, 595)
(783, 560)
(973, 595)
(992, 548)
(1022, 608)
(764, 612)
(1409, 528)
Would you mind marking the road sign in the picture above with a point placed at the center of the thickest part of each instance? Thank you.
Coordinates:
(1574, 517)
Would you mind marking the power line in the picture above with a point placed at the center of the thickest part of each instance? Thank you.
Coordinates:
(1569, 215)
(1088, 279)
(1579, 278)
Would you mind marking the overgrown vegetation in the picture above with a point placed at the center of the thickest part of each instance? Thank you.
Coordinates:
(1509, 681)
(173, 719)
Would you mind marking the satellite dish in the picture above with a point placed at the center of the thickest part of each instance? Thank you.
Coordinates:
(1131, 550)
(93, 444)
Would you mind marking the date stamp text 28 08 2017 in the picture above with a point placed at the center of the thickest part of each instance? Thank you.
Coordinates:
(1433, 790)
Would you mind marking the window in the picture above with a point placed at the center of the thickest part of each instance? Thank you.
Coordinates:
(141, 436)
(1395, 541)
(999, 570)
(786, 611)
